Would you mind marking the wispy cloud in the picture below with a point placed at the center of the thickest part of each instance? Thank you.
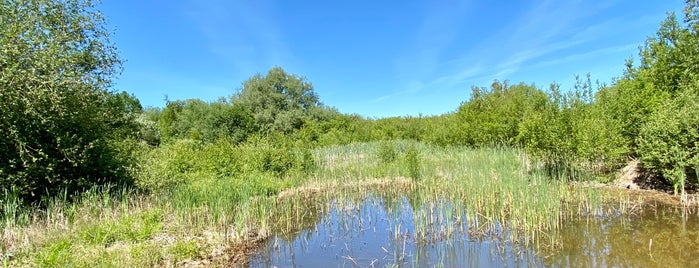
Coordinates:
(438, 30)
(409, 88)
(439, 27)
(537, 38)
(587, 55)
(243, 33)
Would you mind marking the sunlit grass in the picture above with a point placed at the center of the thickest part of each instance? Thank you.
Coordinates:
(487, 192)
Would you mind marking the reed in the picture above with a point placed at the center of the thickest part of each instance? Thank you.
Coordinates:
(486, 192)
(492, 188)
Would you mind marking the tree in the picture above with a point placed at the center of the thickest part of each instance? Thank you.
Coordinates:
(492, 116)
(57, 116)
(199, 120)
(669, 142)
(278, 101)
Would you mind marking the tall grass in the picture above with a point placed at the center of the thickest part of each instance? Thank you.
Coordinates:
(211, 205)
(489, 188)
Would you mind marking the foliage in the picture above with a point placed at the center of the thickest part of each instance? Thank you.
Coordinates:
(628, 104)
(187, 161)
(648, 104)
(343, 129)
(279, 102)
(571, 132)
(398, 128)
(387, 152)
(669, 141)
(492, 116)
(169, 165)
(147, 124)
(646, 114)
(198, 120)
(671, 57)
(57, 116)
(412, 160)
(445, 130)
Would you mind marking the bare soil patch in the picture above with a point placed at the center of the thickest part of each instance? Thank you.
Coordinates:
(650, 188)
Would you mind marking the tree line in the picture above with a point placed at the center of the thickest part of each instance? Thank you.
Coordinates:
(64, 129)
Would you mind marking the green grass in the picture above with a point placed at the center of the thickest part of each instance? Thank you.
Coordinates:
(493, 184)
(215, 205)
(184, 250)
(129, 228)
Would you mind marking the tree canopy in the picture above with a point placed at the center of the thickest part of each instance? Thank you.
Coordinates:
(279, 101)
(57, 115)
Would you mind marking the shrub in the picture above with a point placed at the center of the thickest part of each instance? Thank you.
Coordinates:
(308, 162)
(387, 152)
(57, 115)
(412, 161)
(168, 166)
(669, 142)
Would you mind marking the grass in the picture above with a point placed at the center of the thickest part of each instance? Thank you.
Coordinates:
(494, 186)
(489, 190)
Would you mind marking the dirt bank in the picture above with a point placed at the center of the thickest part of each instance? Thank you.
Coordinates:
(649, 188)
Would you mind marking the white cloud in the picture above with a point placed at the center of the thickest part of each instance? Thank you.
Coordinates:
(243, 33)
(536, 39)
(588, 54)
(439, 28)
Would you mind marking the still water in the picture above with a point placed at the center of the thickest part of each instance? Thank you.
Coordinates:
(379, 231)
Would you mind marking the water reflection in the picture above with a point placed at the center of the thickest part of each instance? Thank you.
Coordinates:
(381, 231)
(658, 236)
(389, 230)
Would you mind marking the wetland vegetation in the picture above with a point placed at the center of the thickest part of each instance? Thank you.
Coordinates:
(516, 175)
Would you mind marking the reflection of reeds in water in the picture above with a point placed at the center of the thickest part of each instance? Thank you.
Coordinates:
(489, 190)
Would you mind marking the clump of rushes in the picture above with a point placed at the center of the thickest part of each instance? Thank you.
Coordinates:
(412, 160)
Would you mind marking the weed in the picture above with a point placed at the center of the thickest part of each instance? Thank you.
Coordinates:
(183, 250)
(387, 152)
(412, 160)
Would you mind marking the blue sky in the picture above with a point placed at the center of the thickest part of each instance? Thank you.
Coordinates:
(374, 58)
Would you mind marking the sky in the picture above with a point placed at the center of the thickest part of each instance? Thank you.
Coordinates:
(374, 58)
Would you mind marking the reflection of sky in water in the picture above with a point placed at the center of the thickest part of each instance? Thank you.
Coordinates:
(657, 237)
(379, 232)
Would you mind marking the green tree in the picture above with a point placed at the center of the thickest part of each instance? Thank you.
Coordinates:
(199, 120)
(279, 102)
(669, 141)
(148, 130)
(492, 116)
(654, 103)
(57, 116)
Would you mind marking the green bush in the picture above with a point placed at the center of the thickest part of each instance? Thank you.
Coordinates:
(387, 152)
(572, 134)
(492, 116)
(168, 166)
(669, 141)
(185, 161)
(277, 154)
(412, 161)
(57, 114)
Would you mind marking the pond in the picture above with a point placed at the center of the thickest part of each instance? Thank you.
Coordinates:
(380, 231)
